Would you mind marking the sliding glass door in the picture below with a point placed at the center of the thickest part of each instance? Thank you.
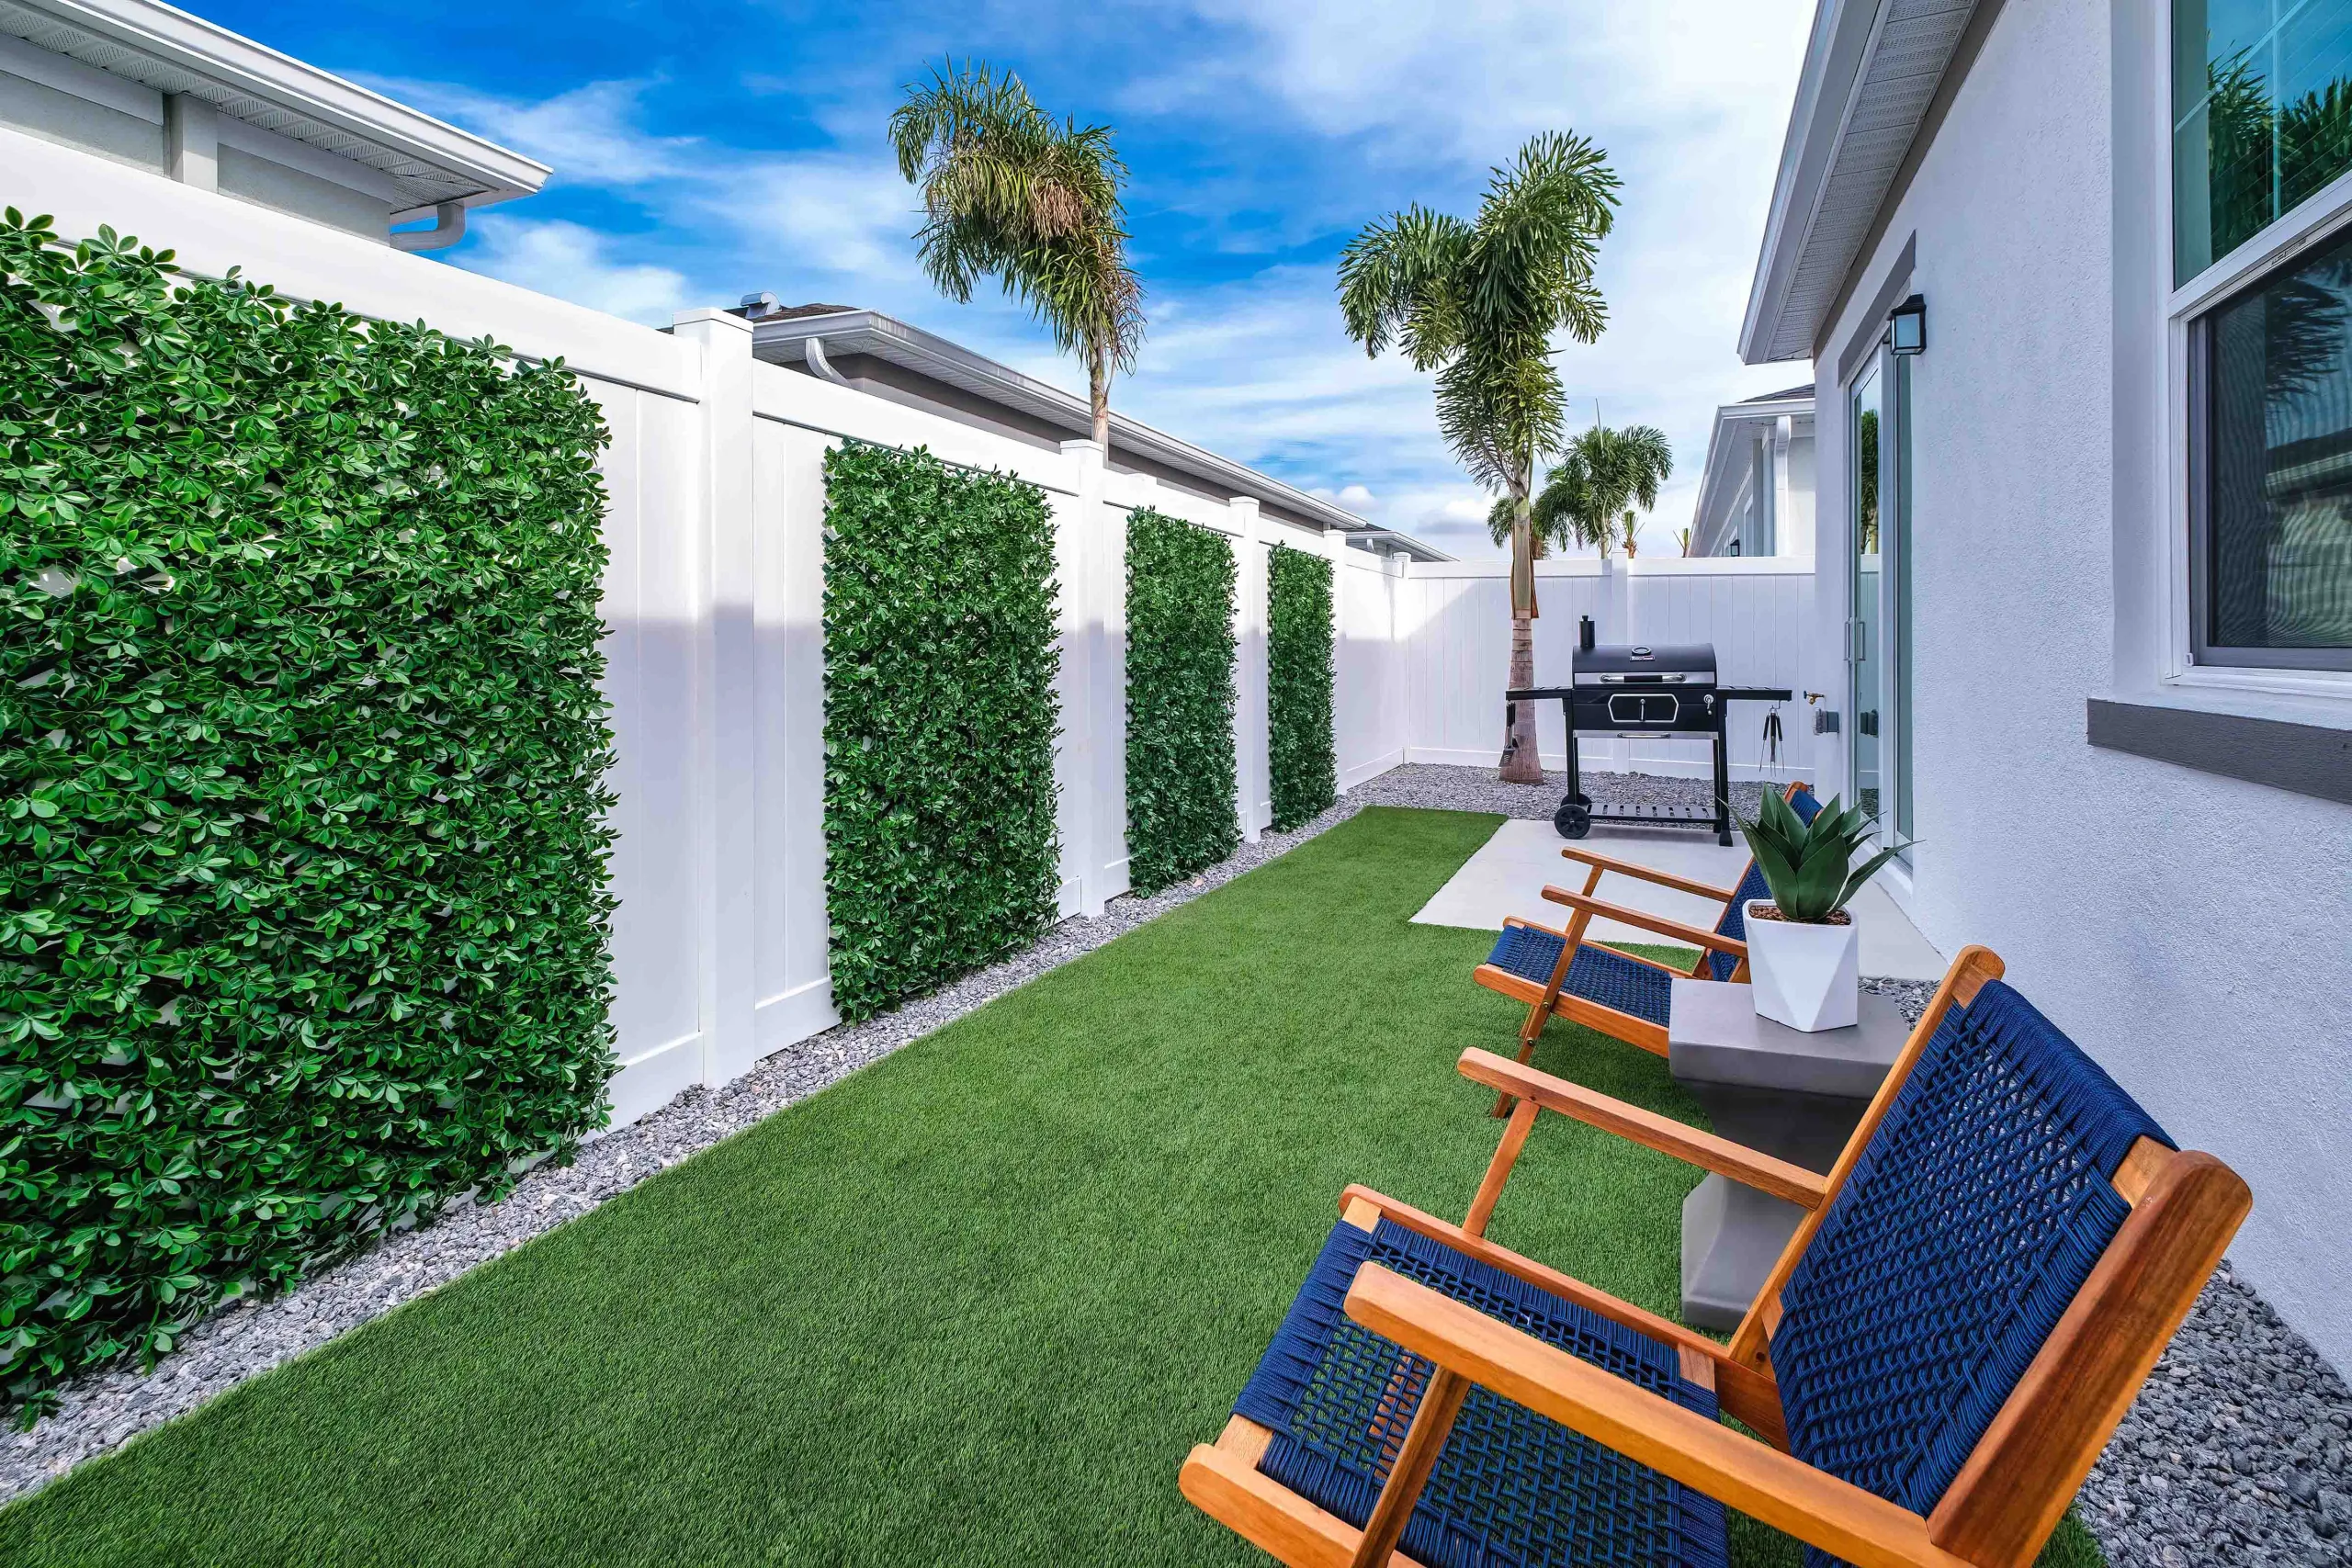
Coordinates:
(1865, 759)
(1877, 635)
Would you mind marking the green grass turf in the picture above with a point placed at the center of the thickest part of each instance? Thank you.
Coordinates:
(971, 1305)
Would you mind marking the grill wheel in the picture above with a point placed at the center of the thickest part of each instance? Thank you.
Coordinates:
(1574, 819)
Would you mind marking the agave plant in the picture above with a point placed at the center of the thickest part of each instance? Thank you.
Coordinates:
(1810, 867)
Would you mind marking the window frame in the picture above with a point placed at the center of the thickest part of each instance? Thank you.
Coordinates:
(2326, 215)
(2203, 652)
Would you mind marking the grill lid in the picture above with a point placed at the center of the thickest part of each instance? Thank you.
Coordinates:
(1639, 664)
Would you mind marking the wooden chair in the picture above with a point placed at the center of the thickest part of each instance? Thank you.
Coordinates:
(1981, 1285)
(1623, 995)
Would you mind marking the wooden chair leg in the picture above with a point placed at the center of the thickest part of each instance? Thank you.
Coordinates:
(1529, 1032)
(1424, 1440)
(1491, 1189)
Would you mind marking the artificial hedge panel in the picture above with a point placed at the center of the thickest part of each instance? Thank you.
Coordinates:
(1180, 788)
(940, 717)
(1299, 745)
(303, 920)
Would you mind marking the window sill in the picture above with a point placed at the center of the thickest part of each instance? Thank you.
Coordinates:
(2299, 744)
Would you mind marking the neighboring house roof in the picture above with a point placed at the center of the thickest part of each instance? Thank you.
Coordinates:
(783, 336)
(1726, 469)
(422, 160)
(1870, 72)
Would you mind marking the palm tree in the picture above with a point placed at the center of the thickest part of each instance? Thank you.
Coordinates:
(1602, 476)
(1008, 190)
(1477, 302)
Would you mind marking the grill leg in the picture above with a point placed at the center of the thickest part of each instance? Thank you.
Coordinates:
(1722, 786)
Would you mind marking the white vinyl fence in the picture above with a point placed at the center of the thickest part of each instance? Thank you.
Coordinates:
(1453, 642)
(715, 597)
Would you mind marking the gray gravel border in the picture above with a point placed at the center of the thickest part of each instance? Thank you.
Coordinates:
(2236, 1452)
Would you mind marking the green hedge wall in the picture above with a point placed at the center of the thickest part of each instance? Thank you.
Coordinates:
(939, 721)
(1304, 768)
(1180, 789)
(304, 920)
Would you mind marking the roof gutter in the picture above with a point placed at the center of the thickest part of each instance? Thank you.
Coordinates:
(1871, 71)
(813, 339)
(239, 64)
(1825, 94)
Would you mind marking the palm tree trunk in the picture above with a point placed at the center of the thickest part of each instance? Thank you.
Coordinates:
(1098, 394)
(1521, 763)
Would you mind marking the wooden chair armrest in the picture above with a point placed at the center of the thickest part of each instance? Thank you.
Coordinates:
(1744, 1393)
(1775, 1177)
(1663, 878)
(1790, 1495)
(1647, 921)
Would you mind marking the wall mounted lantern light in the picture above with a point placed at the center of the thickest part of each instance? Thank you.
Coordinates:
(1907, 325)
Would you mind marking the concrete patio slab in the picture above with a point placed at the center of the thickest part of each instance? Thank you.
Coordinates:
(1508, 874)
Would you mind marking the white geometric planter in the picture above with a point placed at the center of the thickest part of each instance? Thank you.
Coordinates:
(1805, 977)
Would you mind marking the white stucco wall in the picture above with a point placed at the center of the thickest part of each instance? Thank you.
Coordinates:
(2194, 932)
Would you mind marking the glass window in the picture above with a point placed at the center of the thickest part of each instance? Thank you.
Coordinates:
(1865, 656)
(2261, 113)
(1898, 532)
(2271, 409)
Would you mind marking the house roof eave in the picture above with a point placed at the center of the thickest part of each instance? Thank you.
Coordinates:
(928, 354)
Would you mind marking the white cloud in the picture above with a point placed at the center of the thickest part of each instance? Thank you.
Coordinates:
(1333, 114)
(590, 135)
(814, 225)
(571, 263)
(1689, 100)
(817, 216)
(1466, 77)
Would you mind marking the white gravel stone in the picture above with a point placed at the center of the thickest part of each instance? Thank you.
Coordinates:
(2236, 1452)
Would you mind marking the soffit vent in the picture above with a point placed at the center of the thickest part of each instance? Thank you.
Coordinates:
(1898, 81)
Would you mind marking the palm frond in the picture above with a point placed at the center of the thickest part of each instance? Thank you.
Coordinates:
(1478, 302)
(1009, 192)
(1398, 282)
(1603, 476)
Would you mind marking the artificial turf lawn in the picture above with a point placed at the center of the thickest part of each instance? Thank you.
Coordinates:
(970, 1305)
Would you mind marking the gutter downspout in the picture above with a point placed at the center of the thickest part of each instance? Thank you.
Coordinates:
(812, 350)
(448, 228)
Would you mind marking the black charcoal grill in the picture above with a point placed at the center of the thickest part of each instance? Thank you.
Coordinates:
(1632, 691)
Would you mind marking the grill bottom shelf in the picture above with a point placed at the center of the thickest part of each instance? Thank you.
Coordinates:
(1655, 814)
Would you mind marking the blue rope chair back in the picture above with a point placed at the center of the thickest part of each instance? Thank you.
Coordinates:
(1751, 887)
(1962, 1233)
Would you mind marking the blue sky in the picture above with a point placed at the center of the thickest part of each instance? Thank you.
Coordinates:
(705, 150)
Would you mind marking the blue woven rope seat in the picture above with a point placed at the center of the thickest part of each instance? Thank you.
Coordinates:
(1962, 1233)
(1511, 1489)
(1752, 887)
(1597, 974)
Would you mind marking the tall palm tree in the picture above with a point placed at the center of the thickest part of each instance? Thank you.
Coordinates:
(1477, 302)
(1009, 190)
